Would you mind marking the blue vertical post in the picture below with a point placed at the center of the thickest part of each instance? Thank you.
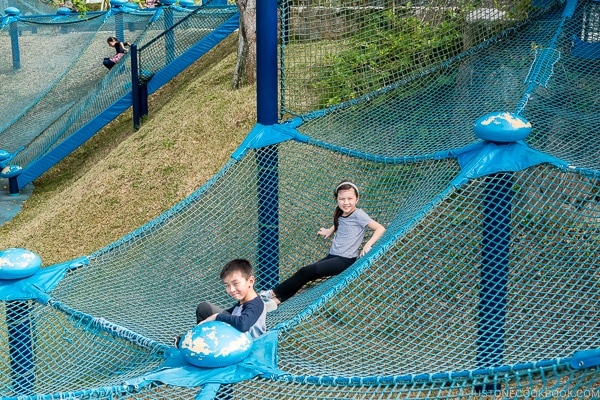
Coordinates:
(119, 27)
(20, 345)
(267, 157)
(268, 216)
(266, 62)
(19, 264)
(14, 12)
(494, 270)
(135, 87)
(62, 12)
(139, 89)
(143, 91)
(170, 35)
(500, 130)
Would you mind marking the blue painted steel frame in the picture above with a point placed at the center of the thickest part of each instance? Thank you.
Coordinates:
(495, 248)
(20, 347)
(14, 45)
(267, 157)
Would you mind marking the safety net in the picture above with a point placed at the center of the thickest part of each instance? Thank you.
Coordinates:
(33, 8)
(486, 282)
(55, 85)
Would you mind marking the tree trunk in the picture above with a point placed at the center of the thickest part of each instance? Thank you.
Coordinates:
(245, 68)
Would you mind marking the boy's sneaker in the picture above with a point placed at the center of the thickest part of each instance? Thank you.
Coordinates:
(176, 341)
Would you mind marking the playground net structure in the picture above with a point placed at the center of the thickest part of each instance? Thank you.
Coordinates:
(485, 284)
(56, 93)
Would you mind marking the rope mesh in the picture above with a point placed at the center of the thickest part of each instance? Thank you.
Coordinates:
(481, 287)
(75, 87)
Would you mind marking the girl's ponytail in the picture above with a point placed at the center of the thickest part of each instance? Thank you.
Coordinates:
(336, 217)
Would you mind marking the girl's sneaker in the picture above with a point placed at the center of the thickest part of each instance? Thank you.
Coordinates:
(270, 305)
(267, 298)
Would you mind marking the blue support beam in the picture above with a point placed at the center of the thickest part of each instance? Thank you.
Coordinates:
(20, 345)
(14, 37)
(494, 270)
(267, 157)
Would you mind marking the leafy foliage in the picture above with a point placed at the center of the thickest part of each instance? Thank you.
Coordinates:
(389, 45)
(79, 6)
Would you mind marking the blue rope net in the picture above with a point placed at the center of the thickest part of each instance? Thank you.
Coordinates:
(485, 284)
(62, 85)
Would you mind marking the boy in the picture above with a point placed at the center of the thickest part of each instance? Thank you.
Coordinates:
(248, 314)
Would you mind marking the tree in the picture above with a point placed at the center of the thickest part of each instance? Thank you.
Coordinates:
(245, 68)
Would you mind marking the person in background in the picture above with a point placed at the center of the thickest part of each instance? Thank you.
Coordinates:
(120, 49)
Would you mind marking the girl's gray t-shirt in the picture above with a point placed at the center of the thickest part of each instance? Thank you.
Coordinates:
(350, 234)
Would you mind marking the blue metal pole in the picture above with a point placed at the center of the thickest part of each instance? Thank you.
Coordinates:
(119, 27)
(14, 36)
(20, 345)
(170, 35)
(266, 62)
(267, 157)
(135, 87)
(268, 216)
(494, 269)
(143, 91)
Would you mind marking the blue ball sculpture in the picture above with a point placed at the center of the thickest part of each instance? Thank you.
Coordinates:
(215, 344)
(18, 263)
(502, 127)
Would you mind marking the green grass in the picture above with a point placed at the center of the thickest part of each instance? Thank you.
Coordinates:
(122, 178)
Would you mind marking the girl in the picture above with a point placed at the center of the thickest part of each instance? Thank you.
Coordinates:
(120, 51)
(349, 226)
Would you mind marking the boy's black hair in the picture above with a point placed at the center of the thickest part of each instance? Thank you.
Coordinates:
(238, 264)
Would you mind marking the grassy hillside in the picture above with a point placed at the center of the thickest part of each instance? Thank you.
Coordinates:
(122, 178)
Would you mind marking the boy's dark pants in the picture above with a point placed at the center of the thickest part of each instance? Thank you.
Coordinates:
(205, 310)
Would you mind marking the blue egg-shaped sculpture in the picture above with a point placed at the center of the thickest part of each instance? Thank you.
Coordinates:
(186, 3)
(502, 127)
(64, 11)
(12, 11)
(10, 171)
(18, 263)
(117, 3)
(132, 5)
(215, 344)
